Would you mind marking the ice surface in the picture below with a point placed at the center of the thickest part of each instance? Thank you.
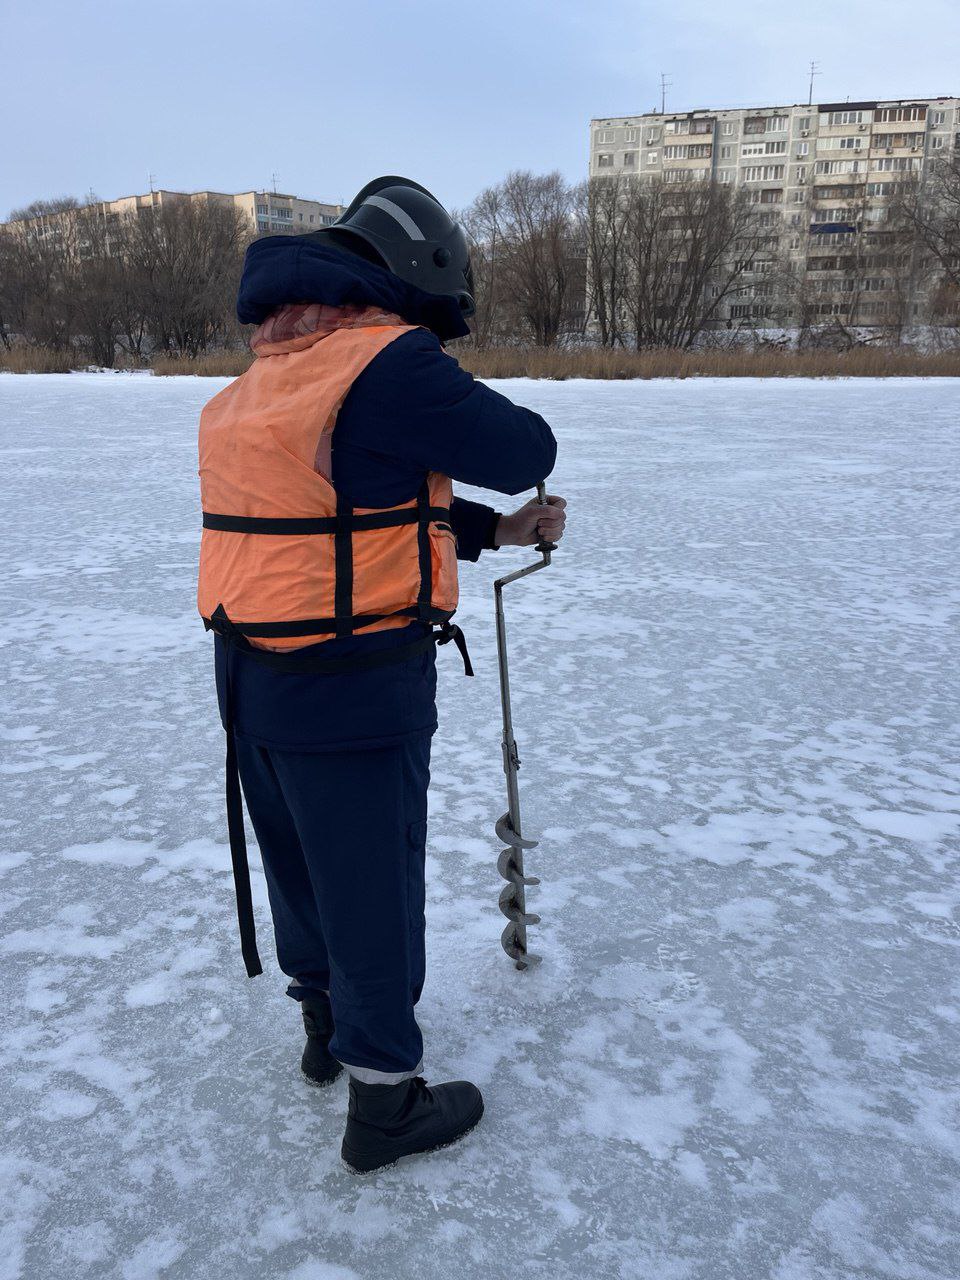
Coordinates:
(736, 700)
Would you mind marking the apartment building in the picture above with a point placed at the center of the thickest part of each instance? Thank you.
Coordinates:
(827, 172)
(270, 212)
(264, 211)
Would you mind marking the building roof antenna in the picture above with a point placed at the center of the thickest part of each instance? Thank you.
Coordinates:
(665, 84)
(814, 71)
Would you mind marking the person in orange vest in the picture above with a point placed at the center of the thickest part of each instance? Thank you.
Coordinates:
(328, 572)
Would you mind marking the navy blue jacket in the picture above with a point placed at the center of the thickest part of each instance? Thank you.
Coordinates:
(412, 410)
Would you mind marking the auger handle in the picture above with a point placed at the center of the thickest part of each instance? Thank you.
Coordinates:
(545, 548)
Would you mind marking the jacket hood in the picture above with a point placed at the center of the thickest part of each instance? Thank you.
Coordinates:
(284, 269)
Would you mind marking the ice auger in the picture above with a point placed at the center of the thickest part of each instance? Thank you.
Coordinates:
(513, 901)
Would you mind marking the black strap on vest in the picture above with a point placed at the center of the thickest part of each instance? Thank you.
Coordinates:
(423, 551)
(342, 527)
(295, 663)
(343, 569)
(290, 525)
(238, 839)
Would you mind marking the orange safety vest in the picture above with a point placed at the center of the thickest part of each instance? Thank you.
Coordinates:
(284, 560)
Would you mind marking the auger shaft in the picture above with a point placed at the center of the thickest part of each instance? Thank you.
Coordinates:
(513, 901)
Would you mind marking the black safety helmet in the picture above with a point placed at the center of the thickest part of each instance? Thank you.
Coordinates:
(412, 233)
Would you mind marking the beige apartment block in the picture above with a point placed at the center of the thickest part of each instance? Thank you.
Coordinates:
(264, 211)
(824, 174)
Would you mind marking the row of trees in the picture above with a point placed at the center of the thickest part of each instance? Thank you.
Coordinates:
(162, 280)
(656, 264)
(626, 262)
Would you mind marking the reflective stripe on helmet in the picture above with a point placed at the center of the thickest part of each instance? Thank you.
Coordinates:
(399, 215)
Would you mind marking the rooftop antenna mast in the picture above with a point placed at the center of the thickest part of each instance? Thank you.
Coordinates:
(274, 177)
(151, 179)
(814, 71)
(665, 84)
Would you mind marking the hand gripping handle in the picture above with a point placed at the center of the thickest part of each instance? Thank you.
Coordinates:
(543, 546)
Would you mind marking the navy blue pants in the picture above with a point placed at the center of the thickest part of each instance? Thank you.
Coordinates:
(343, 837)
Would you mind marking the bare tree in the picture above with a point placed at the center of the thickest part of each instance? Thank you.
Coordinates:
(483, 224)
(688, 246)
(605, 231)
(45, 208)
(184, 261)
(930, 209)
(530, 258)
(37, 263)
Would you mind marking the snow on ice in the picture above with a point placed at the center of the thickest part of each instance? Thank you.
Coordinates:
(737, 706)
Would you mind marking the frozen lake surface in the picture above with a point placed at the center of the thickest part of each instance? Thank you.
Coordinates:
(736, 700)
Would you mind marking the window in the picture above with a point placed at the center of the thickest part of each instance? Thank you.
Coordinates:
(653, 138)
(799, 197)
(771, 197)
(777, 124)
(804, 123)
(763, 172)
(752, 149)
(605, 161)
(937, 117)
(724, 176)
(800, 173)
(840, 166)
(629, 159)
(852, 143)
(726, 153)
(897, 164)
(841, 117)
(631, 135)
(803, 148)
(311, 217)
(914, 139)
(881, 188)
(262, 209)
(775, 148)
(936, 144)
(652, 157)
(834, 215)
(606, 135)
(893, 115)
(728, 128)
(301, 217)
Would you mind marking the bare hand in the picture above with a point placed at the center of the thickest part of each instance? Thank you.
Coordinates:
(533, 522)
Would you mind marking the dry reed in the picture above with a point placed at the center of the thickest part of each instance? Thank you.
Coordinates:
(606, 363)
(585, 362)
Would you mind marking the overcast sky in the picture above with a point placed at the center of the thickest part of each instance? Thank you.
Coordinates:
(99, 94)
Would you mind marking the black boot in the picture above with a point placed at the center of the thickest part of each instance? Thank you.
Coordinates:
(387, 1121)
(318, 1064)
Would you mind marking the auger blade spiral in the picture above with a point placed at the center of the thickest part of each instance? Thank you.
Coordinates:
(512, 900)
